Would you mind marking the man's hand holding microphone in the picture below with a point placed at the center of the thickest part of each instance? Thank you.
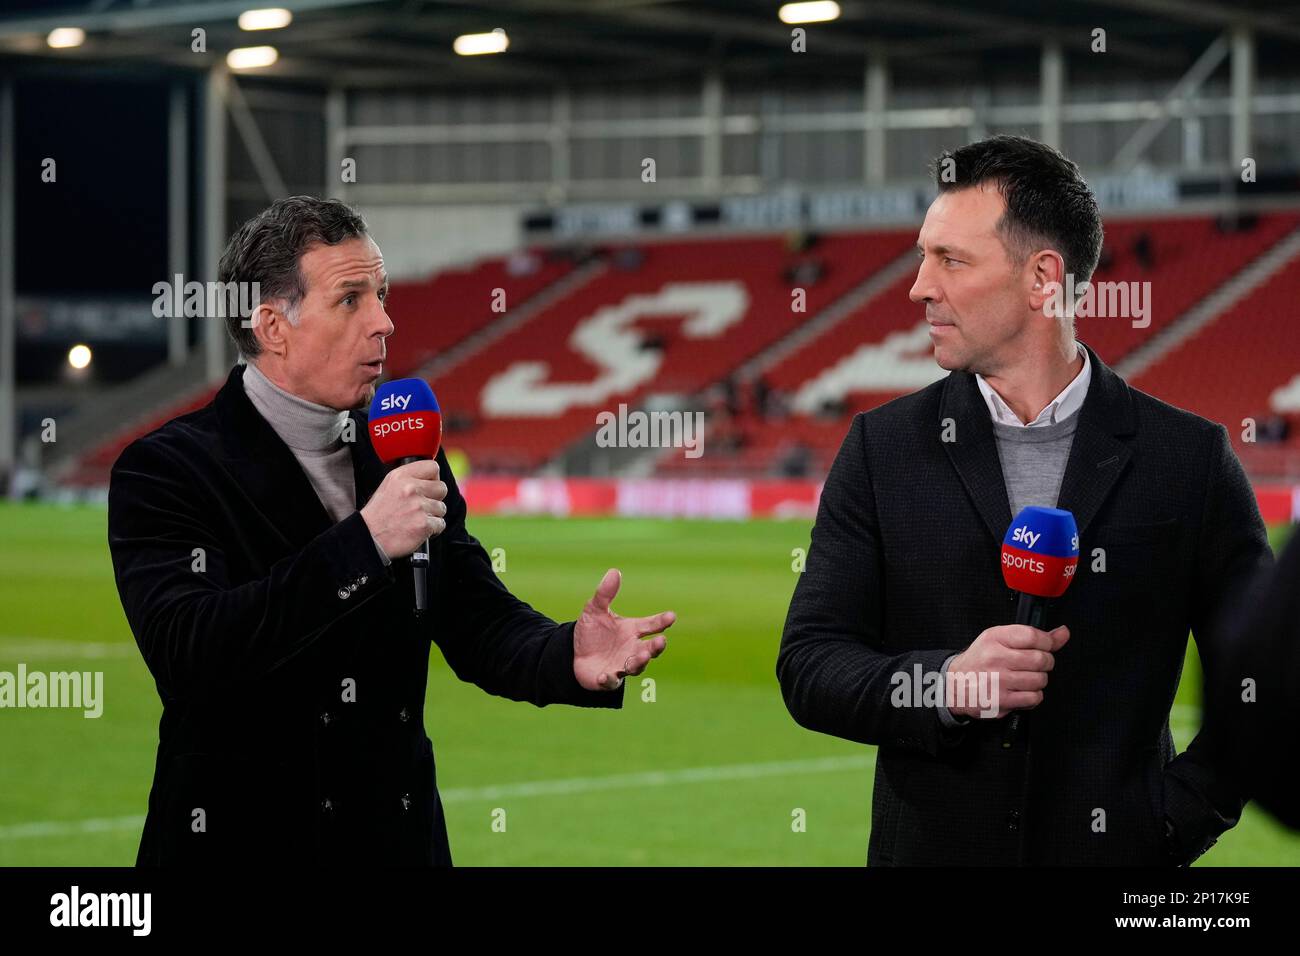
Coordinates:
(407, 508)
(1017, 659)
(1040, 554)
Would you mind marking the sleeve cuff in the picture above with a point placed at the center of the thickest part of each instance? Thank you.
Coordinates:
(562, 684)
(383, 556)
(947, 717)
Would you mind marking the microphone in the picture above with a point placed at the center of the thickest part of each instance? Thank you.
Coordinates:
(406, 426)
(1040, 553)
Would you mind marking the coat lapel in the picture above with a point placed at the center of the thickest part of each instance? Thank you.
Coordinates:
(367, 470)
(1097, 456)
(265, 468)
(974, 452)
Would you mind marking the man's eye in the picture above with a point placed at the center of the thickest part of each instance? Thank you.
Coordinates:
(950, 259)
(348, 299)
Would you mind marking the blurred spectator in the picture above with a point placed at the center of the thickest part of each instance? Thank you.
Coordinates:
(804, 273)
(801, 240)
(628, 259)
(759, 392)
(522, 264)
(1144, 251)
(654, 341)
(731, 395)
(1273, 429)
(1106, 259)
(1230, 222)
(796, 462)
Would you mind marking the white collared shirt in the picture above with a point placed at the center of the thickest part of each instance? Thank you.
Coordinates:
(1058, 409)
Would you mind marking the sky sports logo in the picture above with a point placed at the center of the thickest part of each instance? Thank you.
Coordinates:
(1040, 552)
(76, 909)
(407, 424)
(395, 403)
(1023, 535)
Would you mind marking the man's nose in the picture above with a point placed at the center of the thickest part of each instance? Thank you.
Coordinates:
(383, 325)
(923, 289)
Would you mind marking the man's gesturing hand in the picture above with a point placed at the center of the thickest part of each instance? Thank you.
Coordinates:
(1019, 655)
(606, 647)
(407, 508)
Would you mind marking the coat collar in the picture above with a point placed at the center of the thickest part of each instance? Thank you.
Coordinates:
(267, 469)
(1097, 455)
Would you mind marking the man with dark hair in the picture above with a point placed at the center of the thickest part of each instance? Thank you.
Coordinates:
(256, 545)
(904, 577)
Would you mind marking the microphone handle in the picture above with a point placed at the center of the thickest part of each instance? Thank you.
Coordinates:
(419, 561)
(1032, 610)
(420, 570)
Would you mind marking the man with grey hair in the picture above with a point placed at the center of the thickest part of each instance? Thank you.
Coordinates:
(257, 545)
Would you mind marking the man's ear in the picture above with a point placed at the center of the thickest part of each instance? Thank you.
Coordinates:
(1046, 274)
(270, 325)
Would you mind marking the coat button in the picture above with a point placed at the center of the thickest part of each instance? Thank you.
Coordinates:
(406, 801)
(344, 594)
(325, 718)
(403, 715)
(327, 806)
(1013, 820)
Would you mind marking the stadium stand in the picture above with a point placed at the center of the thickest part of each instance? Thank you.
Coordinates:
(881, 350)
(682, 317)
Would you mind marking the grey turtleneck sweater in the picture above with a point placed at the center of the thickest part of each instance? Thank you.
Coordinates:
(314, 433)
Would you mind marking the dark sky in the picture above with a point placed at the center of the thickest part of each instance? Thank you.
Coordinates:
(101, 228)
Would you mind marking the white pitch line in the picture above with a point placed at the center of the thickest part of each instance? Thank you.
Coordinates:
(534, 788)
(50, 828)
(35, 648)
(654, 778)
(658, 778)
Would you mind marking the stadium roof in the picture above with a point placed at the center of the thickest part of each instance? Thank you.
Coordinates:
(408, 42)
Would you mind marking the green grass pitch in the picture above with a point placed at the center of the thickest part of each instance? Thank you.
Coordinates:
(709, 773)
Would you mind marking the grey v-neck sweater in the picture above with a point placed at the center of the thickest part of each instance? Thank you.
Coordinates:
(1033, 461)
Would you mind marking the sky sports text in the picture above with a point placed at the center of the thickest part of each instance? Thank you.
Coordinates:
(1030, 538)
(398, 425)
(1021, 562)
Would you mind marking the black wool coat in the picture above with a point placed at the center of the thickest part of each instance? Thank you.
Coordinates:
(904, 569)
(288, 657)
